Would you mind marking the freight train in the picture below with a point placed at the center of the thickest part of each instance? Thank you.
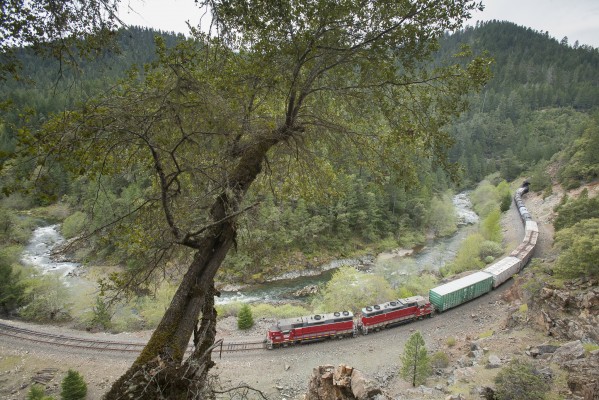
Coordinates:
(381, 316)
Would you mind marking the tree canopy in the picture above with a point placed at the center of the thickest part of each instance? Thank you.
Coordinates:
(63, 29)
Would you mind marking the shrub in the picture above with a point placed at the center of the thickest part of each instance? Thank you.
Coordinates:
(227, 310)
(101, 315)
(490, 227)
(520, 380)
(579, 247)
(12, 290)
(282, 311)
(577, 210)
(489, 248)
(350, 289)
(450, 341)
(467, 257)
(245, 320)
(37, 392)
(73, 225)
(439, 360)
(73, 386)
(48, 300)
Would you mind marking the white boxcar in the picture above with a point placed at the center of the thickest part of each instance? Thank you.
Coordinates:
(531, 226)
(503, 269)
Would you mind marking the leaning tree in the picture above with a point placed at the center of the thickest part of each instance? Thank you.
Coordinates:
(274, 93)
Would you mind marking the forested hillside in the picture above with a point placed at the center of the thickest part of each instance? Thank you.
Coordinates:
(540, 101)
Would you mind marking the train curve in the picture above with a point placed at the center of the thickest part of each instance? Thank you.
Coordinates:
(498, 273)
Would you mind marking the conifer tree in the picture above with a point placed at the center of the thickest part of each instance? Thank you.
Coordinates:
(415, 361)
(245, 320)
(37, 392)
(73, 386)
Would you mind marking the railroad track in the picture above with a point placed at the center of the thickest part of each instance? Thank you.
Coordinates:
(108, 345)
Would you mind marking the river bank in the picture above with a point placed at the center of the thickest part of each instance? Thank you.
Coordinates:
(43, 252)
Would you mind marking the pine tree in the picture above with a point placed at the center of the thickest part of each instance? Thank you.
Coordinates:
(73, 386)
(37, 392)
(415, 362)
(244, 318)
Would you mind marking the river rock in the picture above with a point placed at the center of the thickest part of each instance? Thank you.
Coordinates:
(306, 291)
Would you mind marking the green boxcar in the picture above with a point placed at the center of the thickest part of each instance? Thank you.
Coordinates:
(461, 290)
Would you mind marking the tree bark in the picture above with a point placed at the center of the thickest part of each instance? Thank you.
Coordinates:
(159, 371)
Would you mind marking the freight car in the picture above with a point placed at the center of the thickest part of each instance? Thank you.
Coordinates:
(461, 290)
(503, 269)
(392, 313)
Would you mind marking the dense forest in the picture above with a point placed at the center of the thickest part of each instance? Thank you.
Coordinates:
(539, 107)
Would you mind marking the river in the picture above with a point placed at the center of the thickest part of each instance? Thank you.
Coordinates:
(432, 256)
(38, 252)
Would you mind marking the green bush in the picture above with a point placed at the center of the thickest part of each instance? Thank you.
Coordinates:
(74, 225)
(341, 293)
(489, 248)
(540, 180)
(490, 226)
(504, 195)
(73, 386)
(37, 392)
(12, 289)
(577, 210)
(47, 300)
(282, 311)
(439, 360)
(245, 320)
(101, 315)
(520, 380)
(579, 247)
(467, 257)
(228, 310)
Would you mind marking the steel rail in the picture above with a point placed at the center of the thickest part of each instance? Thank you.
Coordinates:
(108, 345)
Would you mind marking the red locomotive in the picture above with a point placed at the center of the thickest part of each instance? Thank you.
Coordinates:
(394, 312)
(341, 324)
(310, 328)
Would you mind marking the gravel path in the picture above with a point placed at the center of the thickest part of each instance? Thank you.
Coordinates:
(282, 373)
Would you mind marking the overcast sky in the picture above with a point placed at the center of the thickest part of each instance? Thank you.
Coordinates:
(576, 19)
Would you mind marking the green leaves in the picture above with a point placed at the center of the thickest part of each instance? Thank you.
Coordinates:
(415, 363)
(350, 289)
(520, 380)
(579, 245)
(244, 318)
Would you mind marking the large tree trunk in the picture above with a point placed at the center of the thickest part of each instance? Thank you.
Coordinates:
(159, 371)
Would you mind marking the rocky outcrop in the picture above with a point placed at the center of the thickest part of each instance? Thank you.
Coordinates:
(341, 383)
(571, 312)
(583, 372)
